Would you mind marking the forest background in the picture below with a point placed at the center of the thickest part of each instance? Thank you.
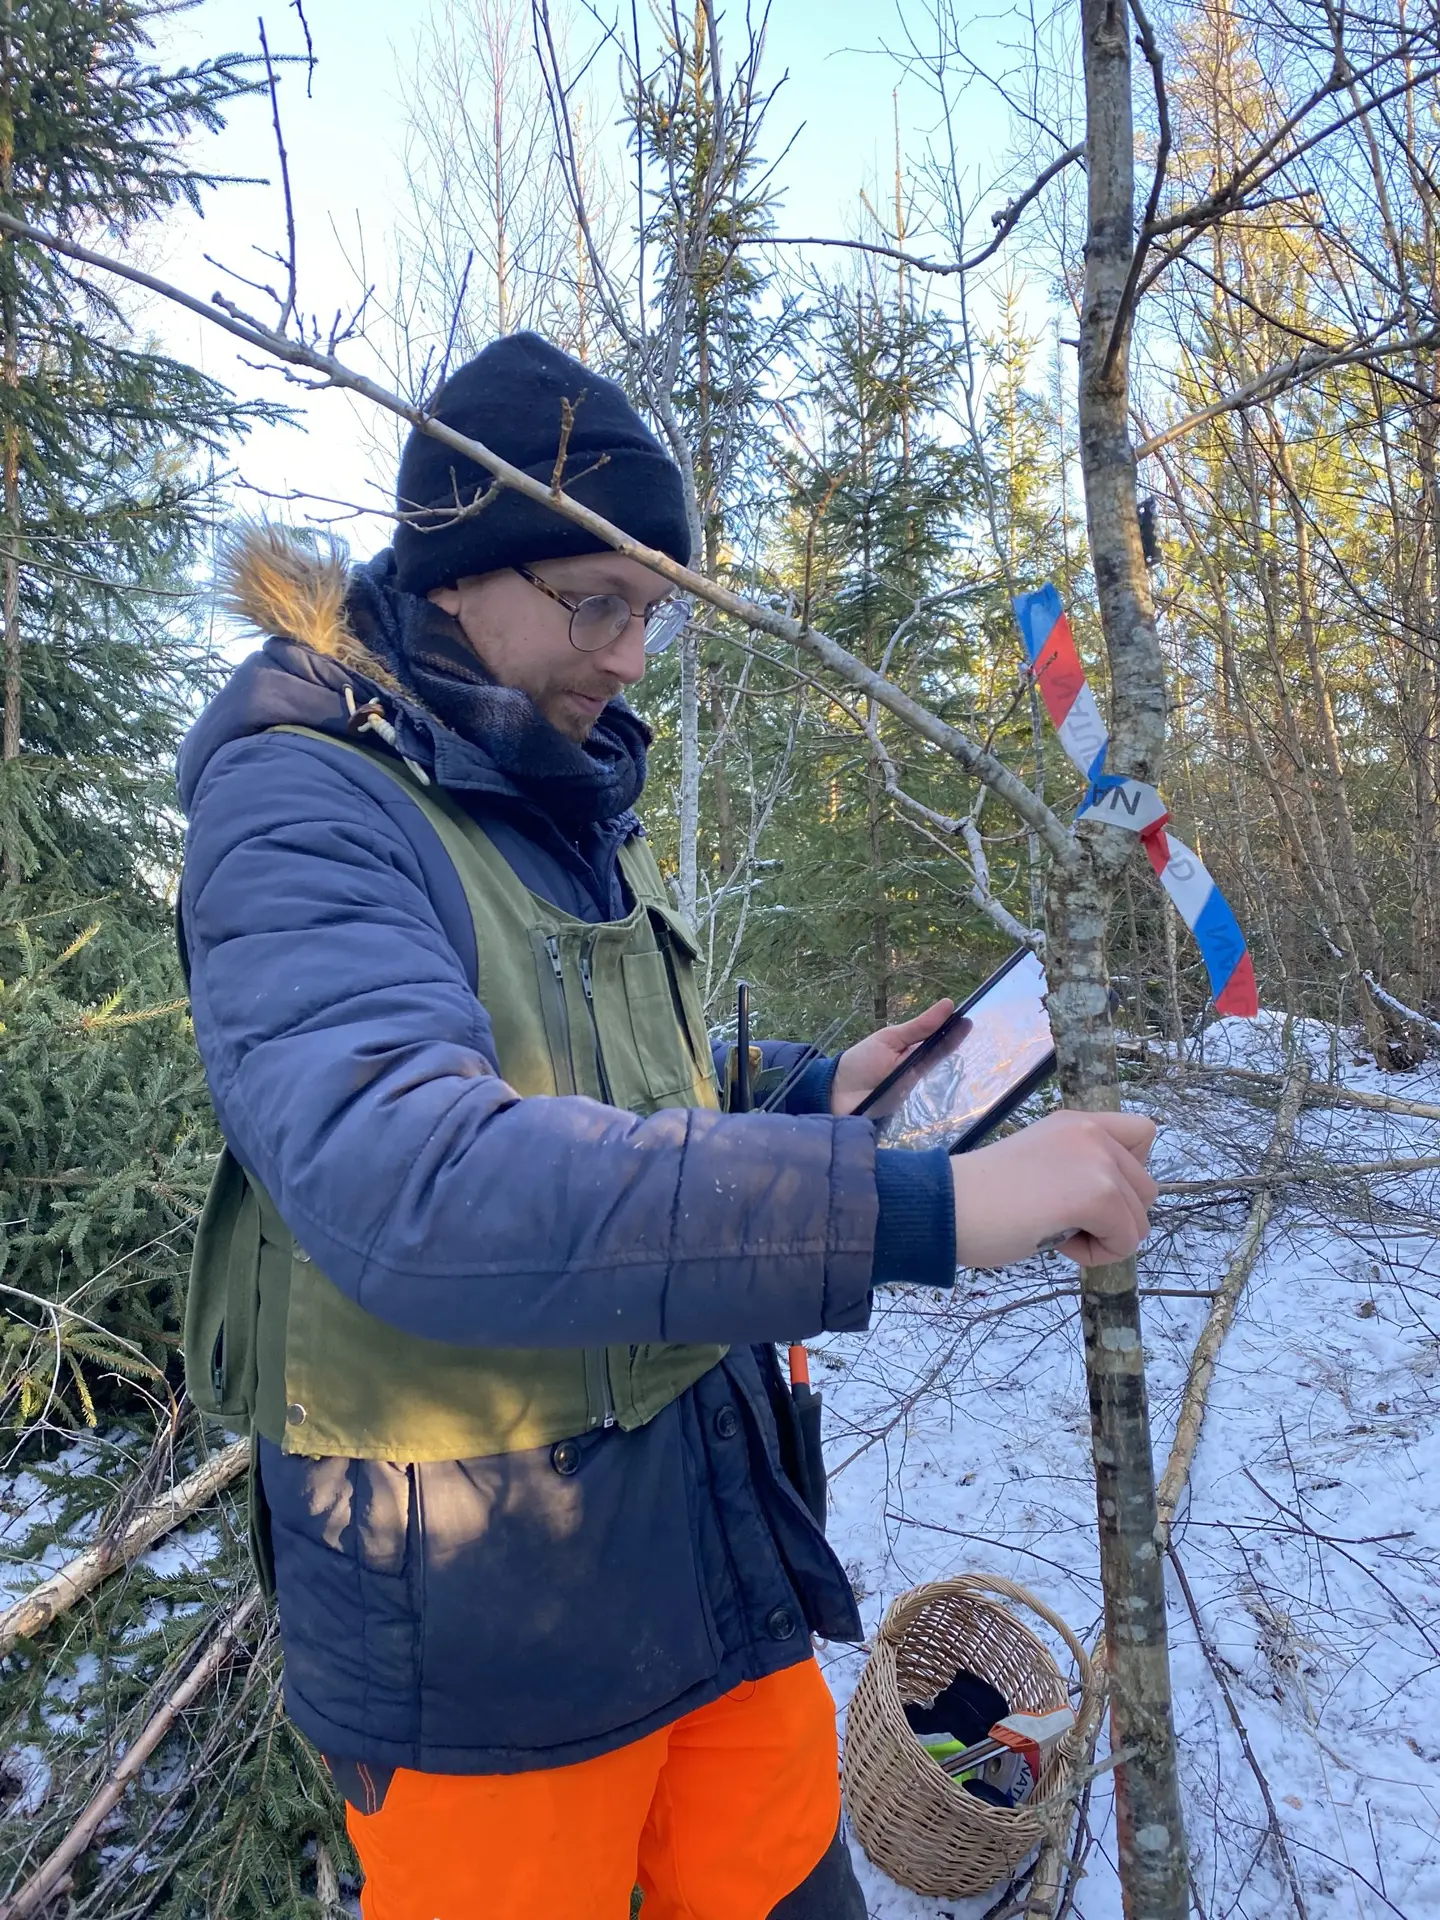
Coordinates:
(880, 446)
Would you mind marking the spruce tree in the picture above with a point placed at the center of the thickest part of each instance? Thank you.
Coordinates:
(876, 532)
(109, 455)
(107, 452)
(719, 332)
(103, 491)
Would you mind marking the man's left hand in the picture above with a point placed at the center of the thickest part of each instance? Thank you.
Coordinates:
(862, 1067)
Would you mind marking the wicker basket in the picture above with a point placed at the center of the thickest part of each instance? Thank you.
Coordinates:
(914, 1822)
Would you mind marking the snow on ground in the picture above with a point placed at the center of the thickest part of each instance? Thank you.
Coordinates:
(958, 1441)
(46, 1519)
(1310, 1532)
(30, 1506)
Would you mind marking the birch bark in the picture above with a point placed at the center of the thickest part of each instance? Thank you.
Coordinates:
(1150, 1830)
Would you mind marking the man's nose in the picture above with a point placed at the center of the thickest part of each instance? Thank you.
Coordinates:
(625, 655)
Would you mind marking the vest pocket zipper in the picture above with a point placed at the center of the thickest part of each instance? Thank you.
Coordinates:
(587, 984)
(557, 1016)
(597, 1385)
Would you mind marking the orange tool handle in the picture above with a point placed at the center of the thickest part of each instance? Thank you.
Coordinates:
(799, 1366)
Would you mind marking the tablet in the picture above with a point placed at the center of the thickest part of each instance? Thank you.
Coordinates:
(972, 1073)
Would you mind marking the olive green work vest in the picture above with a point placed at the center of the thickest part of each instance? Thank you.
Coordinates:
(611, 1011)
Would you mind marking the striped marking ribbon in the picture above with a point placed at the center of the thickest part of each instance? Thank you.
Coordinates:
(1133, 804)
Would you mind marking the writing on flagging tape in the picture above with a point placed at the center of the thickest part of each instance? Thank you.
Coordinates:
(1133, 804)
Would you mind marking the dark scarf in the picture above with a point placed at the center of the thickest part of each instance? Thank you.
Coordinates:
(576, 784)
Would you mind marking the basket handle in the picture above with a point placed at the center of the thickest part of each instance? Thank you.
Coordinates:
(902, 1611)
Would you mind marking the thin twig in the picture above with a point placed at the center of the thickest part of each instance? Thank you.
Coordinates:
(1216, 1667)
(1004, 223)
(287, 306)
(1278, 379)
(1156, 60)
(311, 62)
(1318, 1093)
(1058, 1867)
(1285, 1176)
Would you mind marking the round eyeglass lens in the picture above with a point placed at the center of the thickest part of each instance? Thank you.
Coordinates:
(599, 621)
(667, 623)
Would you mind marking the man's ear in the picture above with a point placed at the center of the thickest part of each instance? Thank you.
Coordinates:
(447, 599)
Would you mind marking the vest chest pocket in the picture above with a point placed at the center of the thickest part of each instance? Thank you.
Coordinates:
(680, 954)
(660, 1039)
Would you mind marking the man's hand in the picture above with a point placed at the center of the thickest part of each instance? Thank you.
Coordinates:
(1078, 1174)
(862, 1067)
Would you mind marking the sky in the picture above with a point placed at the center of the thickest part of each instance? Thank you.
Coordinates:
(345, 139)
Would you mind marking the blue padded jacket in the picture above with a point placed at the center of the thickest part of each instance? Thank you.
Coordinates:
(498, 1614)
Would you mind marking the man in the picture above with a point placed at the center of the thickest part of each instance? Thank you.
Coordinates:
(486, 1270)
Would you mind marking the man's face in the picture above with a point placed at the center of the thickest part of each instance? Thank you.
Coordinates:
(522, 636)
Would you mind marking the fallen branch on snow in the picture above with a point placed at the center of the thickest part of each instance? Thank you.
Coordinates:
(1284, 1176)
(1411, 1014)
(1319, 1093)
(84, 1573)
(49, 1877)
(1212, 1337)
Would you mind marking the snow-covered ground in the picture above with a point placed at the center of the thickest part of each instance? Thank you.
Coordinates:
(1311, 1528)
(958, 1441)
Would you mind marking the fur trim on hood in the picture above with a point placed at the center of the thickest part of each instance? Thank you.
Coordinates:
(443, 713)
(295, 589)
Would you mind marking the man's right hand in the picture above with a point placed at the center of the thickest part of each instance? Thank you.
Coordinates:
(1078, 1174)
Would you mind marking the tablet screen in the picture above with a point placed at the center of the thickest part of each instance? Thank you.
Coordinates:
(992, 1052)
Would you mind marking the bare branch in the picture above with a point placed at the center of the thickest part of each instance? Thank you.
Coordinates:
(222, 313)
(1260, 167)
(1156, 60)
(1286, 374)
(52, 1871)
(1216, 1666)
(1222, 1314)
(310, 60)
(60, 1591)
(1004, 222)
(969, 831)
(287, 305)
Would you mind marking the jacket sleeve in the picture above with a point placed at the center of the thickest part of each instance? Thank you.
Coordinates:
(354, 1074)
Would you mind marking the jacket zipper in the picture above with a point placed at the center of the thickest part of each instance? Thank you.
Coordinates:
(588, 986)
(552, 949)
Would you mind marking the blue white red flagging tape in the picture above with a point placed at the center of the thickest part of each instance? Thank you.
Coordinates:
(1050, 648)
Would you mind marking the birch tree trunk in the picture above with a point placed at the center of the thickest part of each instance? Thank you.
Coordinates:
(689, 802)
(1150, 1831)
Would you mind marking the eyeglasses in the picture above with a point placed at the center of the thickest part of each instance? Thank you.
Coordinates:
(600, 618)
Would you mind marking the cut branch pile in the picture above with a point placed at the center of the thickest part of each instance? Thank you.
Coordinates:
(52, 1875)
(57, 1594)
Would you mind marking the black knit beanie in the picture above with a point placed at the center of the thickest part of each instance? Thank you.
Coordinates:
(510, 397)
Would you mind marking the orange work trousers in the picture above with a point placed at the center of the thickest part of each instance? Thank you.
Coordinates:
(717, 1817)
